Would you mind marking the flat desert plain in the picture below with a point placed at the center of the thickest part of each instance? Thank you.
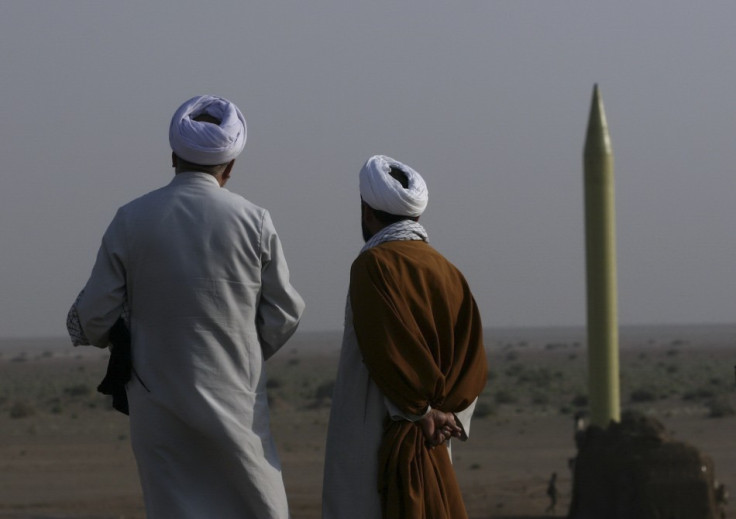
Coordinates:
(64, 453)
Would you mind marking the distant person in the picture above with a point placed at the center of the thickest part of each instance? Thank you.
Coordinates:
(411, 367)
(721, 495)
(203, 275)
(552, 493)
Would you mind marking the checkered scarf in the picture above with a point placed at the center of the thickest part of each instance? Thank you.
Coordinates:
(404, 230)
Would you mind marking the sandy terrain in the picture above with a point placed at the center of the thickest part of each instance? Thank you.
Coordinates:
(65, 454)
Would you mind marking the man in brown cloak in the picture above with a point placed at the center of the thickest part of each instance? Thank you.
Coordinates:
(411, 367)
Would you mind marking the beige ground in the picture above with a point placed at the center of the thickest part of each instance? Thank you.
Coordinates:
(64, 454)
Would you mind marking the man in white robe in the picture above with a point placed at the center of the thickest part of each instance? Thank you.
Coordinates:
(204, 278)
(359, 407)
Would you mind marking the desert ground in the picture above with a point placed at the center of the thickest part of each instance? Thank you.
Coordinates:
(64, 453)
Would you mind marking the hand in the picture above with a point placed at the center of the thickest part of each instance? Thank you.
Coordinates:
(438, 427)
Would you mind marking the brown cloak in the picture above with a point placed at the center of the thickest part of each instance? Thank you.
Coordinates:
(421, 337)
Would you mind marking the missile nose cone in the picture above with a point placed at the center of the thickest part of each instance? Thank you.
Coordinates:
(597, 140)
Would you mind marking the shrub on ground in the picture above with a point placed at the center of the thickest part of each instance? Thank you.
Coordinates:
(78, 390)
(325, 390)
(21, 409)
(643, 394)
(698, 394)
(505, 397)
(720, 407)
(580, 400)
(483, 410)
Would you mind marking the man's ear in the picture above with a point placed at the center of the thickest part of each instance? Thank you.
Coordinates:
(370, 218)
(228, 169)
(225, 176)
(365, 211)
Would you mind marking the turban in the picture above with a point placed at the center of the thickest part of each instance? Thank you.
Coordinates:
(383, 192)
(206, 143)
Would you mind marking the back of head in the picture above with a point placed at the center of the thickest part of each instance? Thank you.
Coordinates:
(207, 130)
(391, 187)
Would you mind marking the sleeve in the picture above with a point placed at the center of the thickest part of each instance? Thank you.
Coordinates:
(74, 325)
(101, 302)
(280, 307)
(397, 414)
(463, 419)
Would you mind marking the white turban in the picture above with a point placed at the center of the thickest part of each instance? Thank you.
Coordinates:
(383, 192)
(205, 143)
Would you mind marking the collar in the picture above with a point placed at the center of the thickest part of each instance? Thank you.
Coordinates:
(194, 176)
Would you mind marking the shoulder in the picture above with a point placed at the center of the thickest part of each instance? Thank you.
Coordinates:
(143, 199)
(150, 200)
(217, 202)
(413, 253)
(241, 206)
(395, 259)
(370, 266)
(376, 258)
(410, 259)
(239, 200)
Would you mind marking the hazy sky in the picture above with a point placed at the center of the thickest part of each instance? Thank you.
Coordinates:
(488, 100)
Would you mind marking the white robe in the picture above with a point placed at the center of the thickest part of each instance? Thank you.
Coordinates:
(354, 432)
(208, 288)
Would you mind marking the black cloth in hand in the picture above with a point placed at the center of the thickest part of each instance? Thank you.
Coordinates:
(119, 367)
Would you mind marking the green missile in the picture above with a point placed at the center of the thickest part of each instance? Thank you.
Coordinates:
(600, 255)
